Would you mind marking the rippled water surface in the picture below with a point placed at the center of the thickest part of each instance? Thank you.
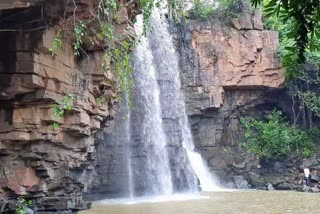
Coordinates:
(248, 202)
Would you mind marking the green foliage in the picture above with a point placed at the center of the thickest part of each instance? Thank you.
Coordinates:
(177, 9)
(203, 10)
(123, 66)
(147, 8)
(304, 17)
(57, 43)
(303, 83)
(101, 100)
(229, 9)
(311, 100)
(287, 49)
(22, 205)
(107, 32)
(99, 29)
(79, 33)
(306, 89)
(65, 104)
(276, 138)
(110, 7)
(225, 9)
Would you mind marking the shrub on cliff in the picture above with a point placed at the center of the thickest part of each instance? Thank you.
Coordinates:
(224, 9)
(203, 10)
(275, 138)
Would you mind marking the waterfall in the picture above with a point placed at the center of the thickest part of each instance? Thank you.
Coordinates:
(149, 158)
(161, 156)
(173, 104)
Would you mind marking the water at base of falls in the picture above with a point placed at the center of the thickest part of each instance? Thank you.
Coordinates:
(154, 199)
(161, 157)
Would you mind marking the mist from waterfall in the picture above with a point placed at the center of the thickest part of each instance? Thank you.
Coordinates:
(161, 157)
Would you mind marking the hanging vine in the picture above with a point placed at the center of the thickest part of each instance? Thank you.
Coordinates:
(99, 29)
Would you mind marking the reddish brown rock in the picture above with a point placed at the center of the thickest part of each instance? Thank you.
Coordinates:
(37, 160)
(229, 71)
(19, 180)
(229, 58)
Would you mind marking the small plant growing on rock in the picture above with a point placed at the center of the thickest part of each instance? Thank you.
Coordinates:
(79, 33)
(57, 43)
(99, 29)
(23, 206)
(101, 100)
(66, 104)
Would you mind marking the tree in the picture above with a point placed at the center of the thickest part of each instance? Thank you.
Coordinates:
(305, 17)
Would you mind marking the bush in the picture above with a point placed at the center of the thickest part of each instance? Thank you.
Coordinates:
(276, 138)
(224, 9)
(203, 10)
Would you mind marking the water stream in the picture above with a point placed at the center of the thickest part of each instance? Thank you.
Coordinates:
(161, 156)
(173, 106)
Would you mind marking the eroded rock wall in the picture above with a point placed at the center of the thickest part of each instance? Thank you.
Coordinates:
(51, 165)
(230, 70)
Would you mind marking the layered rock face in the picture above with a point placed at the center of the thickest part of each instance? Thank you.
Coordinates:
(51, 165)
(230, 70)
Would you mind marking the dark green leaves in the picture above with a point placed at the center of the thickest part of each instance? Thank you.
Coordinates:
(275, 138)
(304, 17)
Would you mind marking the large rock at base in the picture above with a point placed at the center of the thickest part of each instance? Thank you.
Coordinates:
(256, 180)
(240, 182)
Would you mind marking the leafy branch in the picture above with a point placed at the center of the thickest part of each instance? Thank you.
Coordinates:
(65, 104)
(304, 17)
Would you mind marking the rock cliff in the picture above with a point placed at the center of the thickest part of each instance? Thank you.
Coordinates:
(230, 70)
(51, 165)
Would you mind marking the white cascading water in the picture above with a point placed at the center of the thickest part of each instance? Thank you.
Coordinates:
(154, 140)
(149, 159)
(173, 105)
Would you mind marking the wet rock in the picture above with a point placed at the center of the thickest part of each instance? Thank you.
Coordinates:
(217, 163)
(279, 167)
(310, 163)
(29, 211)
(230, 185)
(256, 180)
(306, 188)
(240, 182)
(284, 186)
(239, 165)
(315, 178)
(270, 187)
(315, 189)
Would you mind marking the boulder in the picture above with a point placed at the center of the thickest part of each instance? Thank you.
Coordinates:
(315, 178)
(240, 182)
(256, 180)
(270, 187)
(315, 189)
